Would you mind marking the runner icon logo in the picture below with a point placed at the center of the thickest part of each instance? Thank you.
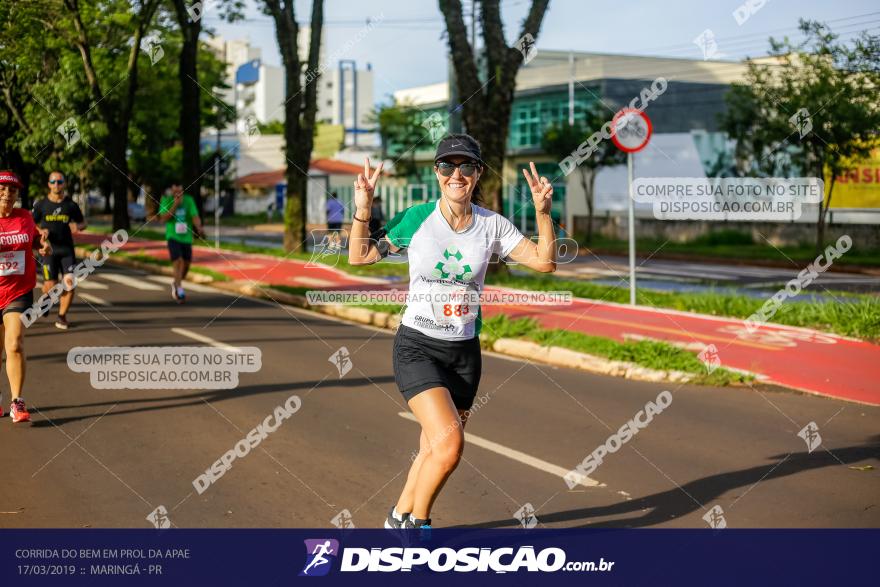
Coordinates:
(526, 516)
(810, 434)
(159, 518)
(450, 267)
(342, 359)
(715, 518)
(709, 356)
(343, 520)
(320, 554)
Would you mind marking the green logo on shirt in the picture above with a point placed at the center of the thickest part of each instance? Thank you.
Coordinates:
(450, 266)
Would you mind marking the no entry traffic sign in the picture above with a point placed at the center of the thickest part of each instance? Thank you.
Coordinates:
(631, 130)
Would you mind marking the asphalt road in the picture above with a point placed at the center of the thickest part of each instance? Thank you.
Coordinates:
(108, 458)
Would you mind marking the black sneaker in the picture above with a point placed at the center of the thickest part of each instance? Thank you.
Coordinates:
(61, 322)
(392, 523)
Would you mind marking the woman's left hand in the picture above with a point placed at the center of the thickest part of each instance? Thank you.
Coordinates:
(542, 189)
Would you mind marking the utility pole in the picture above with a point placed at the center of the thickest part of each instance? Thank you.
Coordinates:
(571, 88)
(217, 187)
(474, 26)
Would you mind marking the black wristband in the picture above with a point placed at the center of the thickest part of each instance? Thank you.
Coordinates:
(384, 247)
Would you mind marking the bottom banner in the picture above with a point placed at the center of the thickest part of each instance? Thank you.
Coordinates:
(469, 556)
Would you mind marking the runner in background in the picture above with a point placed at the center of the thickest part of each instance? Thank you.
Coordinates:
(181, 217)
(18, 277)
(335, 213)
(62, 218)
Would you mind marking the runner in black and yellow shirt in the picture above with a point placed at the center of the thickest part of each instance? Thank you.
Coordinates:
(62, 217)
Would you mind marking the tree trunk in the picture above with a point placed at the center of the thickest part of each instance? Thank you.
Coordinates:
(300, 107)
(823, 212)
(117, 116)
(486, 106)
(117, 144)
(190, 125)
(588, 180)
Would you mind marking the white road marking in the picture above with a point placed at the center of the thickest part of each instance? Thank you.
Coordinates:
(516, 455)
(205, 339)
(91, 284)
(137, 283)
(165, 280)
(93, 299)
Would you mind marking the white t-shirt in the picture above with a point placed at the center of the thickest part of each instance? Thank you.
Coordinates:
(447, 269)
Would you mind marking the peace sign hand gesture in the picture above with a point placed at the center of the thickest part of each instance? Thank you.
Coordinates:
(542, 189)
(364, 186)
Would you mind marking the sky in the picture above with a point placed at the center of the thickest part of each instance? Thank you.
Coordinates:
(406, 47)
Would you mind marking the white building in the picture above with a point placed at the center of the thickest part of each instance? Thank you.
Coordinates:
(345, 93)
(556, 85)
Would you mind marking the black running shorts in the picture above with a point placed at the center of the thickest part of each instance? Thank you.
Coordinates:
(20, 304)
(421, 362)
(56, 265)
(177, 249)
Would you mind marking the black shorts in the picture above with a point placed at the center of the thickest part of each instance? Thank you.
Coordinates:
(20, 304)
(421, 362)
(178, 249)
(56, 265)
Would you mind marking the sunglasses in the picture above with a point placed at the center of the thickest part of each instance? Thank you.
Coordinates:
(446, 169)
(56, 181)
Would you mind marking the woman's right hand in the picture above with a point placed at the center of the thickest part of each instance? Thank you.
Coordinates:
(364, 186)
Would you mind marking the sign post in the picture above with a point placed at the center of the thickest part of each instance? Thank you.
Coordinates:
(631, 131)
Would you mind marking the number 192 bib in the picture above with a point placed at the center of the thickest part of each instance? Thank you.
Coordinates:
(12, 263)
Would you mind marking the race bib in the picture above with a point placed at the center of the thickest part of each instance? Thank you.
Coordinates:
(12, 263)
(181, 228)
(453, 304)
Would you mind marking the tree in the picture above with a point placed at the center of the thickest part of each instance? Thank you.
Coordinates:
(300, 108)
(29, 80)
(401, 131)
(813, 112)
(189, 21)
(156, 144)
(563, 139)
(487, 100)
(90, 19)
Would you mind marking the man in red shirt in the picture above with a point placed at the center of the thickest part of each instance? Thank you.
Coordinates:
(18, 277)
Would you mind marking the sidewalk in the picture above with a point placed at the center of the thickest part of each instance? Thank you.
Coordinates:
(798, 358)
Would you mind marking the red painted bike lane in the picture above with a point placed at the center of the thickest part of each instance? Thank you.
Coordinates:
(798, 358)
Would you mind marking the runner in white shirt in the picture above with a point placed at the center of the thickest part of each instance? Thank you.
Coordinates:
(437, 358)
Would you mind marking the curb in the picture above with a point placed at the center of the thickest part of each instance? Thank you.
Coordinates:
(520, 349)
(563, 357)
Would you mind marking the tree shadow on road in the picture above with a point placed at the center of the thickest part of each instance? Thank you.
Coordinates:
(678, 502)
(194, 399)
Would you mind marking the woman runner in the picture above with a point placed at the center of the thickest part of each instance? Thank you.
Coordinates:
(437, 358)
(18, 277)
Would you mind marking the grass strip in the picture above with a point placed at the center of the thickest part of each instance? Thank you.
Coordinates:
(853, 315)
(657, 355)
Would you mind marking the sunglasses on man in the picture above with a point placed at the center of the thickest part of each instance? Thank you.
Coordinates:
(446, 168)
(56, 181)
